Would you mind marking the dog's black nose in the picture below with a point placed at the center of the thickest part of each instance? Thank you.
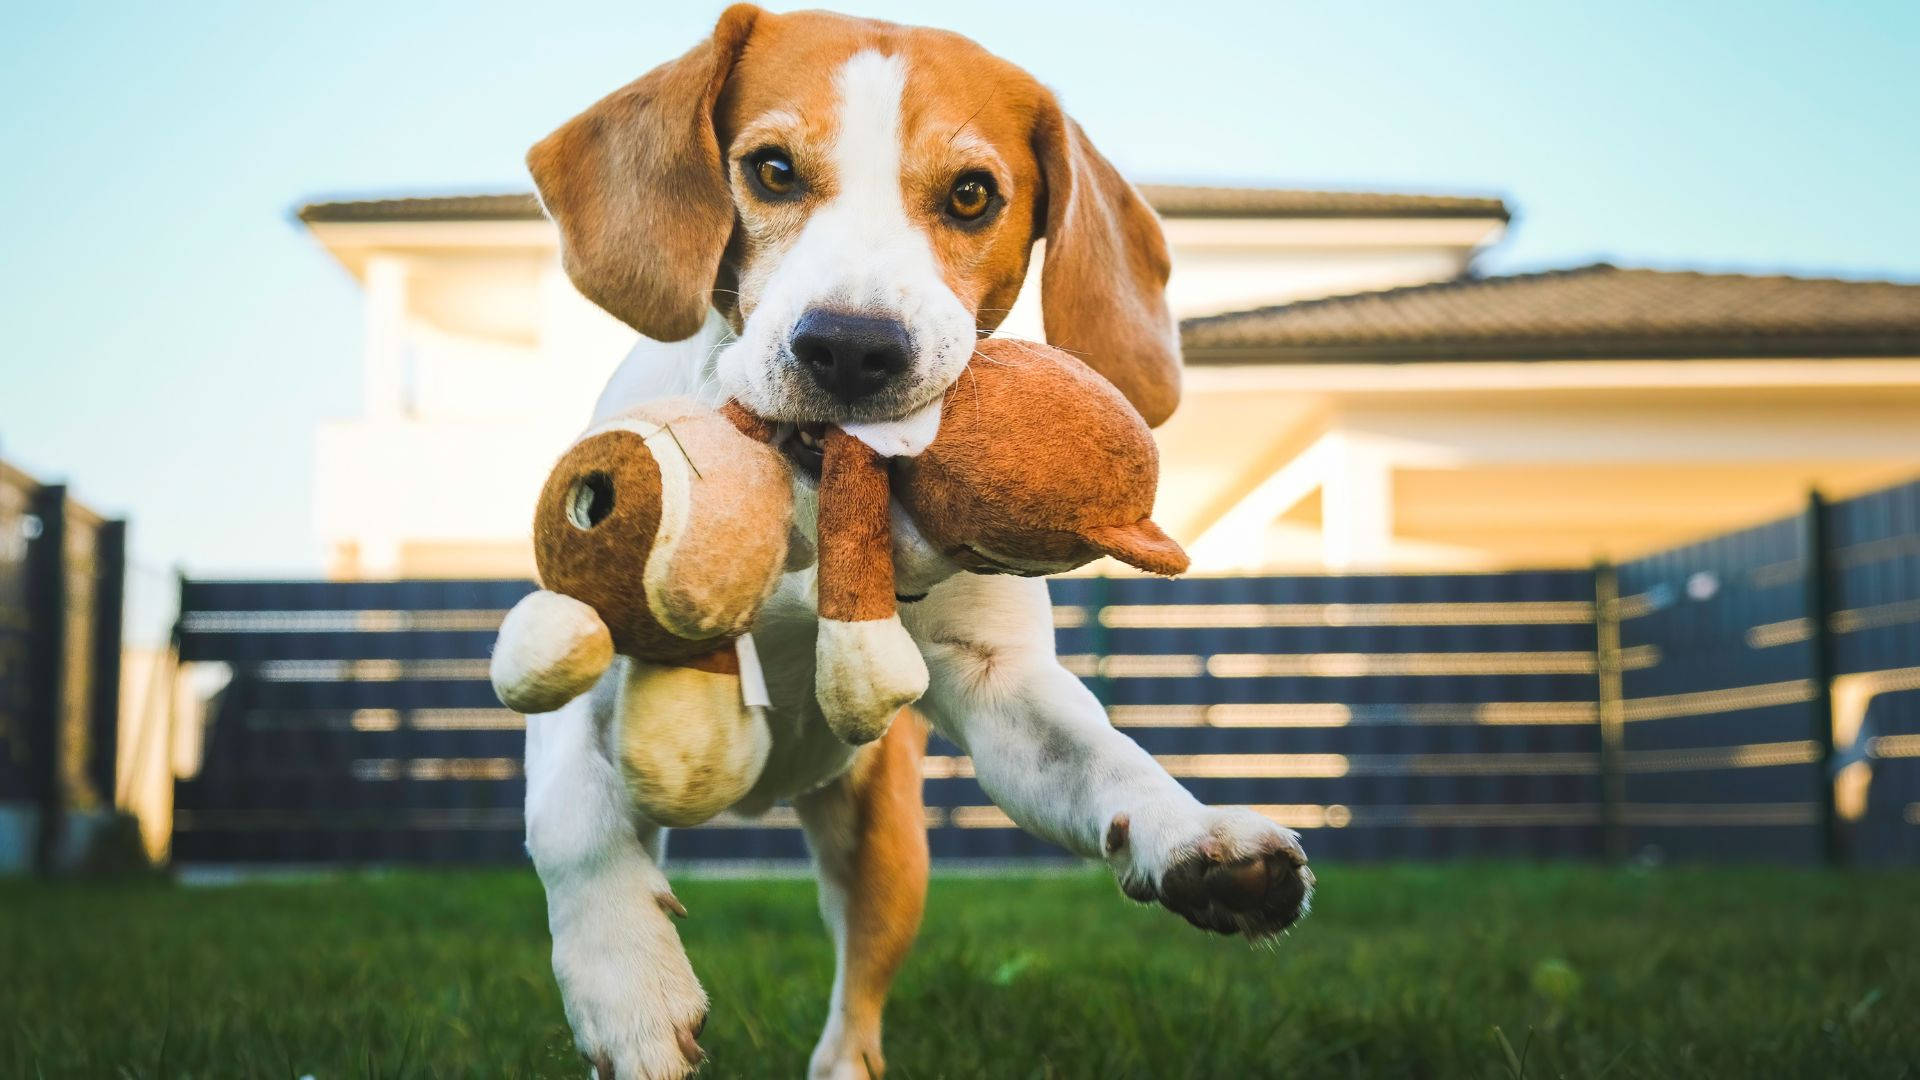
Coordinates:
(850, 356)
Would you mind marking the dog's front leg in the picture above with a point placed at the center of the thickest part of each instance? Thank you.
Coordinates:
(630, 994)
(1045, 753)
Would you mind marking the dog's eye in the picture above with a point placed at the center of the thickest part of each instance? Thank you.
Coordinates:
(971, 196)
(773, 172)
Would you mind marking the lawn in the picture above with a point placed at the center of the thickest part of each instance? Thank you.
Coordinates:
(1457, 970)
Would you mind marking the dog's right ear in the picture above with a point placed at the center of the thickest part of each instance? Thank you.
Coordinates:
(639, 190)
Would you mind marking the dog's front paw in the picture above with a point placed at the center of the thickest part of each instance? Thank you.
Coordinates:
(1228, 870)
(635, 1006)
(838, 1057)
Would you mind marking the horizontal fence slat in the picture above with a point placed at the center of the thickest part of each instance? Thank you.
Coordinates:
(312, 596)
(1385, 715)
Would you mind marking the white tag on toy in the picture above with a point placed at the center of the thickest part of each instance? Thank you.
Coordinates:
(753, 681)
(904, 437)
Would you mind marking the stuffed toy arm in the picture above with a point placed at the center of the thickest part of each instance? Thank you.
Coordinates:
(867, 666)
(551, 649)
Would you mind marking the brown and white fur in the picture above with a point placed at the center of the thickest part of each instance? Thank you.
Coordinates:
(664, 225)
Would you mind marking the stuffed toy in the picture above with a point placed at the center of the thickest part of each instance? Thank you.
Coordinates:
(1038, 466)
(659, 536)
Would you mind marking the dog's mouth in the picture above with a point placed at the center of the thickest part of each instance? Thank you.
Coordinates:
(804, 446)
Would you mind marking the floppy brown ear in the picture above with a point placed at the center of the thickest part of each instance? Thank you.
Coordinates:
(1142, 545)
(637, 185)
(1103, 285)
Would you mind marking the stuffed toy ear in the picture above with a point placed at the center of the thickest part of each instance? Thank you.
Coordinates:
(551, 649)
(1141, 545)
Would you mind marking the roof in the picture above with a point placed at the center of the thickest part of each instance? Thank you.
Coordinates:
(1598, 311)
(1170, 200)
(516, 206)
(1176, 200)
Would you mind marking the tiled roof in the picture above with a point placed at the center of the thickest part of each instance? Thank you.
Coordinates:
(1592, 311)
(1170, 200)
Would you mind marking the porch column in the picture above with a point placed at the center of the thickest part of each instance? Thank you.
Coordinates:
(383, 391)
(1356, 507)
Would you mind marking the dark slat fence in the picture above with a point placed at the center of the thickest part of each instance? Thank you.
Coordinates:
(1774, 659)
(62, 572)
(1668, 705)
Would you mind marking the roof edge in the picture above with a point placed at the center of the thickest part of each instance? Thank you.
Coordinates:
(1865, 346)
(1169, 200)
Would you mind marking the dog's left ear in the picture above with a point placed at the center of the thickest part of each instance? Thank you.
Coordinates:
(1103, 286)
(637, 185)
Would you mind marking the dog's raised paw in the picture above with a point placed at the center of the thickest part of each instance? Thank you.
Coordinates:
(1240, 874)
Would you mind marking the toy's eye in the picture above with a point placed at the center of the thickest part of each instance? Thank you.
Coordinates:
(590, 501)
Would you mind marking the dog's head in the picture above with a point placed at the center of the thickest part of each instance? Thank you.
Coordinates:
(859, 200)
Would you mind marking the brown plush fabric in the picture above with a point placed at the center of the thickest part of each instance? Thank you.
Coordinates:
(721, 661)
(757, 428)
(856, 535)
(603, 566)
(1041, 465)
(1142, 544)
(739, 516)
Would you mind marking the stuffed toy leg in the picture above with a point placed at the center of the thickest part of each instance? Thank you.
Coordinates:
(692, 733)
(867, 667)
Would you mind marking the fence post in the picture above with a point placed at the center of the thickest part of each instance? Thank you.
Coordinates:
(1819, 609)
(46, 661)
(109, 609)
(1609, 708)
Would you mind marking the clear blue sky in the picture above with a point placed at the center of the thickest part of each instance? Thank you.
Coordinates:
(169, 337)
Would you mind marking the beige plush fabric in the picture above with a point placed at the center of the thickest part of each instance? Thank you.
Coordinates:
(689, 747)
(864, 673)
(551, 649)
(720, 573)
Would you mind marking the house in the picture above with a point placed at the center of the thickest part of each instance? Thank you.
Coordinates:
(1358, 396)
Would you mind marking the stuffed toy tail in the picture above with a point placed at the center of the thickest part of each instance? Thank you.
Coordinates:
(691, 744)
(867, 666)
(1142, 545)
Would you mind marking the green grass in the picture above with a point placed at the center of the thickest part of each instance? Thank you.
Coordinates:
(1461, 970)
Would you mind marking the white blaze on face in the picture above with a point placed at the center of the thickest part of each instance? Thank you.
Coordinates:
(859, 253)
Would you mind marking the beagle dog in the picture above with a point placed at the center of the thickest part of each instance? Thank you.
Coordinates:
(819, 215)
